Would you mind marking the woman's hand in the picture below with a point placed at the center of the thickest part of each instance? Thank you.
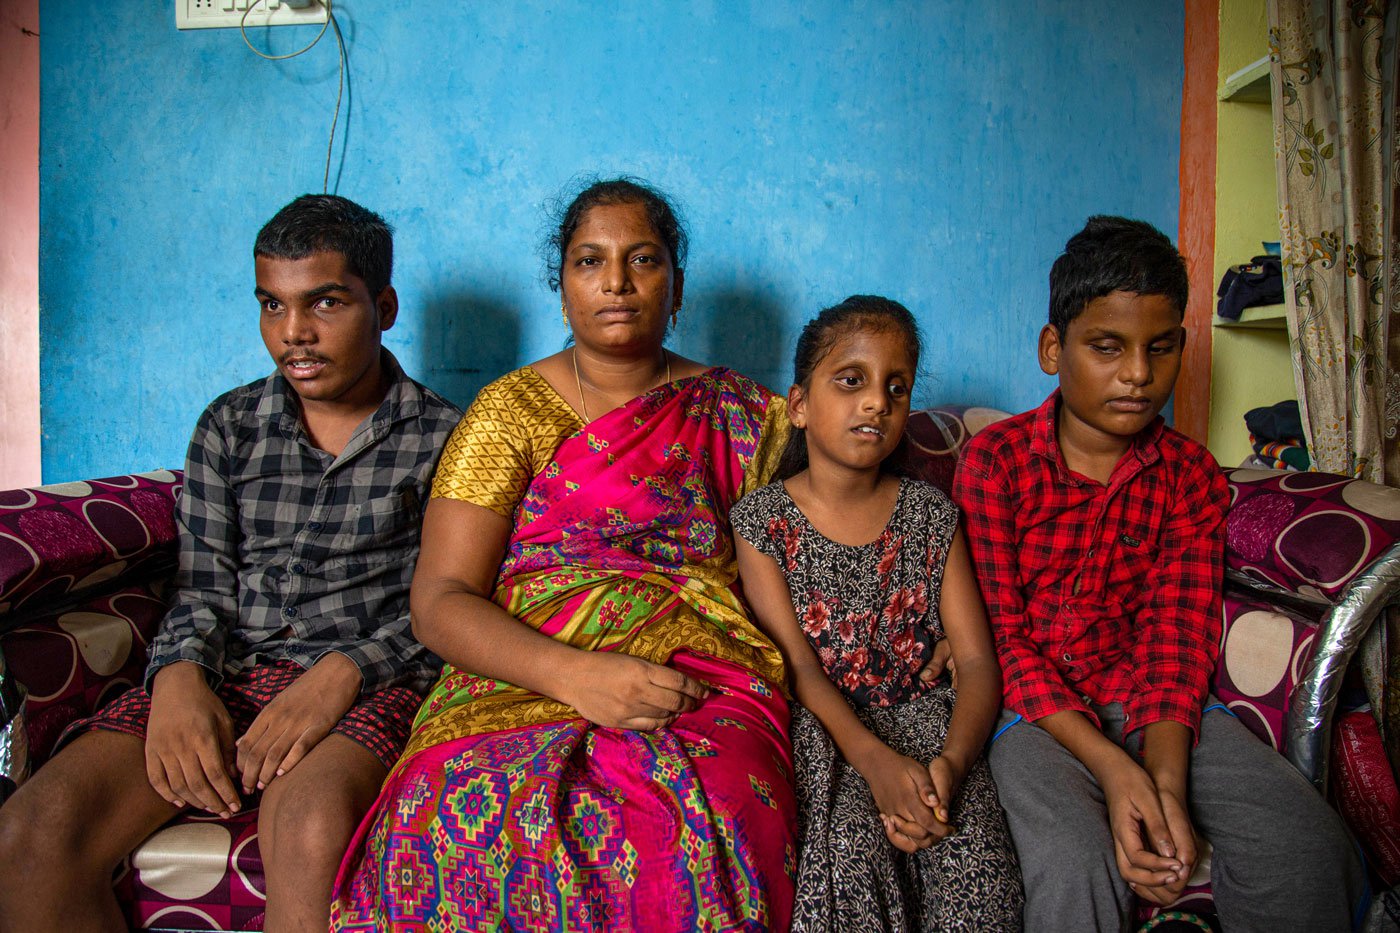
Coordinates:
(623, 692)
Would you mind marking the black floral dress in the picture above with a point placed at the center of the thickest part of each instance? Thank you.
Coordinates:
(871, 614)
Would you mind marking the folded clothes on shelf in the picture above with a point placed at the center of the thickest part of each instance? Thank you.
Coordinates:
(1276, 434)
(1288, 454)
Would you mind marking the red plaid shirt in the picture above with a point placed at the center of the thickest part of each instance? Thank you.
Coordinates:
(1102, 594)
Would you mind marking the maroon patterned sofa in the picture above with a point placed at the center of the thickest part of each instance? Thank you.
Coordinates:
(84, 567)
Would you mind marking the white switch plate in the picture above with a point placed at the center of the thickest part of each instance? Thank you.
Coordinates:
(226, 14)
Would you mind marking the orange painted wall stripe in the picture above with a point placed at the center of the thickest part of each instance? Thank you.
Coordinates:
(1196, 233)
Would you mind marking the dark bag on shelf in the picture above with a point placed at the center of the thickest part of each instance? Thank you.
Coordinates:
(1259, 282)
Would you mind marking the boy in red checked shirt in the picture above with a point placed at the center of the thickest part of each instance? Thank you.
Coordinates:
(1097, 533)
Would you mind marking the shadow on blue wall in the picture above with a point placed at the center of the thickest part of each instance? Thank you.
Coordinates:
(468, 340)
(747, 335)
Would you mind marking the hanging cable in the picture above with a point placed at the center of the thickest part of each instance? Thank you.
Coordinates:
(340, 82)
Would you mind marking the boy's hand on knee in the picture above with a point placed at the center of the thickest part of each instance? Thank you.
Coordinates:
(1166, 755)
(1162, 895)
(189, 742)
(1183, 835)
(1142, 839)
(297, 719)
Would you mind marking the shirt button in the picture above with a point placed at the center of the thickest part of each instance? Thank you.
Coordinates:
(313, 526)
(290, 612)
(1067, 656)
(298, 568)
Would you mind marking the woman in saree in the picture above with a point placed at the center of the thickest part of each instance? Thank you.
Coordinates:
(606, 748)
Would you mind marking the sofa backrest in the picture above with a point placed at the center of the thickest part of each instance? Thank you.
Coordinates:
(62, 542)
(83, 574)
(1309, 534)
(935, 437)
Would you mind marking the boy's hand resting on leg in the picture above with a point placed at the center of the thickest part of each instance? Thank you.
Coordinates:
(1183, 844)
(189, 742)
(297, 719)
(1142, 838)
(1166, 753)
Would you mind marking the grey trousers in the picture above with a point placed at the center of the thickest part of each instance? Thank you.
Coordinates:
(1282, 859)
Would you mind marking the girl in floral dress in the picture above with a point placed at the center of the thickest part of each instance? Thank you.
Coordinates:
(856, 572)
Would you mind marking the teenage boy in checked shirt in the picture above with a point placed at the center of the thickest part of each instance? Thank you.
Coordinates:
(1098, 534)
(285, 668)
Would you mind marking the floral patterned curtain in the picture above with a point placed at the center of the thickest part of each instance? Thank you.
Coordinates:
(1328, 93)
(1333, 82)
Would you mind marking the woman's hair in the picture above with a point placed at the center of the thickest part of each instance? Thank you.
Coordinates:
(858, 312)
(565, 218)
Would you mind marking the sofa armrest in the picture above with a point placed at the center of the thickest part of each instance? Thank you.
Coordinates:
(73, 661)
(1340, 633)
(83, 567)
(59, 543)
(1328, 544)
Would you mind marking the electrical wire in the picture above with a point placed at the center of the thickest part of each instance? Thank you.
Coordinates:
(340, 81)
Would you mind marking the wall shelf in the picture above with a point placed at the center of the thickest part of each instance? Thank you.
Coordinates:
(1263, 317)
(1248, 85)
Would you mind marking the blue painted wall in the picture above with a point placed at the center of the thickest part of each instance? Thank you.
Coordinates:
(938, 151)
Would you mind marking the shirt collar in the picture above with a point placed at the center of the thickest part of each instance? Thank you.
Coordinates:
(404, 399)
(1045, 442)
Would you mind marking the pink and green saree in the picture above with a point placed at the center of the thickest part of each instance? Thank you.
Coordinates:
(509, 811)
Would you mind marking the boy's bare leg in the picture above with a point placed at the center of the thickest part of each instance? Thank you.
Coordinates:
(65, 830)
(307, 818)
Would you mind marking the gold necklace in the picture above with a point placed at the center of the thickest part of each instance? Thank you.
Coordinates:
(578, 380)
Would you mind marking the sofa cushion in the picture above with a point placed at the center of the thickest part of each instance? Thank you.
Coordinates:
(59, 541)
(935, 437)
(196, 873)
(1310, 533)
(1263, 651)
(1365, 790)
(73, 662)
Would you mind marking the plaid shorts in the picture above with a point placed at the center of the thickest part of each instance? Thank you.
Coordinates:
(379, 721)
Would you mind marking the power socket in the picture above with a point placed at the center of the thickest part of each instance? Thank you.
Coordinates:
(228, 14)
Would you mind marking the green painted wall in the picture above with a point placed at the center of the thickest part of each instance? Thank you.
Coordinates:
(1250, 367)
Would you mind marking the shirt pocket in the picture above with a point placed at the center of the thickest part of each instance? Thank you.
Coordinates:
(1135, 550)
(388, 521)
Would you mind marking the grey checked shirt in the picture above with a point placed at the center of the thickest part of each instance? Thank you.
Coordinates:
(287, 552)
